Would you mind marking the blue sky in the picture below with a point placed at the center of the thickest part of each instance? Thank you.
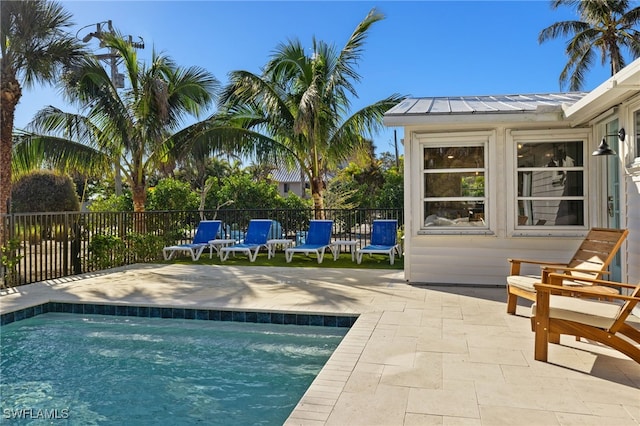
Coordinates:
(421, 48)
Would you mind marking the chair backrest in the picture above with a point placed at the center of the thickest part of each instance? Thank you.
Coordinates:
(597, 251)
(384, 232)
(276, 231)
(207, 230)
(626, 309)
(258, 231)
(319, 232)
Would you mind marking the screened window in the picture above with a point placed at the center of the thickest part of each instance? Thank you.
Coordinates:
(454, 192)
(550, 184)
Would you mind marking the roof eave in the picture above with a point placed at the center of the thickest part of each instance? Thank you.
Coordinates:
(504, 117)
(612, 92)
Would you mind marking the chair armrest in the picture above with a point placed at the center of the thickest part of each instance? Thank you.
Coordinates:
(546, 270)
(579, 291)
(516, 263)
(557, 279)
(551, 268)
(536, 262)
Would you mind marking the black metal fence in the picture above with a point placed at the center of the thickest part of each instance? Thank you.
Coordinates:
(43, 246)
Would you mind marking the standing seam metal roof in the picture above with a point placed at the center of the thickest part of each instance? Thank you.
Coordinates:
(286, 176)
(489, 104)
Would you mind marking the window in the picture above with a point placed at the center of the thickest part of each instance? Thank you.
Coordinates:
(636, 123)
(550, 183)
(632, 140)
(454, 192)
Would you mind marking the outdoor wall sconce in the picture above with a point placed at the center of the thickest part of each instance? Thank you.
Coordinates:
(603, 148)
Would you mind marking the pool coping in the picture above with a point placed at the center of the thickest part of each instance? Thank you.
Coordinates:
(167, 312)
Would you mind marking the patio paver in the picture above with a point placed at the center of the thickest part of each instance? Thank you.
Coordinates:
(416, 355)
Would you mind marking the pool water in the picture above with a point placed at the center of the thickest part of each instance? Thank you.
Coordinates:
(92, 369)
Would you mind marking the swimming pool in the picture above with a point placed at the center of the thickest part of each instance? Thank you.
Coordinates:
(95, 369)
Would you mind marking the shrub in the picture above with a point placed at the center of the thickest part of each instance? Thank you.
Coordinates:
(113, 203)
(172, 194)
(145, 247)
(44, 191)
(9, 259)
(106, 251)
(391, 195)
(245, 193)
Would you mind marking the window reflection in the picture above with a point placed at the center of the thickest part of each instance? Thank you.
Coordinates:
(452, 157)
(563, 154)
(550, 183)
(454, 213)
(454, 186)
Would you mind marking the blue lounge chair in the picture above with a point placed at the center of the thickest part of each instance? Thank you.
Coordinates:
(254, 239)
(276, 232)
(239, 235)
(207, 230)
(318, 240)
(383, 240)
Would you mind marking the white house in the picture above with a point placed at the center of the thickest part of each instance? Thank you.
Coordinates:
(290, 181)
(493, 177)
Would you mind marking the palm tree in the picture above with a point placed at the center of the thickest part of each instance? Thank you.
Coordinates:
(607, 26)
(140, 125)
(299, 105)
(35, 48)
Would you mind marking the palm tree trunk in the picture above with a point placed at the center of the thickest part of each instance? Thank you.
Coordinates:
(614, 52)
(118, 178)
(303, 192)
(11, 93)
(317, 188)
(139, 193)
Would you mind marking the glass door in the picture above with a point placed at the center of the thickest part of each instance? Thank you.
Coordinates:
(613, 194)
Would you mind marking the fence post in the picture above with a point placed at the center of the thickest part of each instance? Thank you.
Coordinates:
(65, 243)
(4, 236)
(76, 244)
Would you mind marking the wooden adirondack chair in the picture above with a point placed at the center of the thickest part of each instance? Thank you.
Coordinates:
(555, 313)
(591, 260)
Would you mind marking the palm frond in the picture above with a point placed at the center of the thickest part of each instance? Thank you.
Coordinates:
(606, 25)
(35, 42)
(32, 152)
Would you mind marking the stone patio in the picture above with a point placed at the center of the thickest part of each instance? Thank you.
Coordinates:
(417, 355)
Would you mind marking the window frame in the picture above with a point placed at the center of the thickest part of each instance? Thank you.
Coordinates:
(636, 132)
(517, 137)
(633, 138)
(437, 140)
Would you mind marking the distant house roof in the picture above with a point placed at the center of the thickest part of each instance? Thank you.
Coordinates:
(419, 110)
(286, 176)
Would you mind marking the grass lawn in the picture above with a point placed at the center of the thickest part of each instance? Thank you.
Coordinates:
(375, 261)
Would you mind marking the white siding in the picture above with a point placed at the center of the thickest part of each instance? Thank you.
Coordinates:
(633, 225)
(480, 259)
(631, 181)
